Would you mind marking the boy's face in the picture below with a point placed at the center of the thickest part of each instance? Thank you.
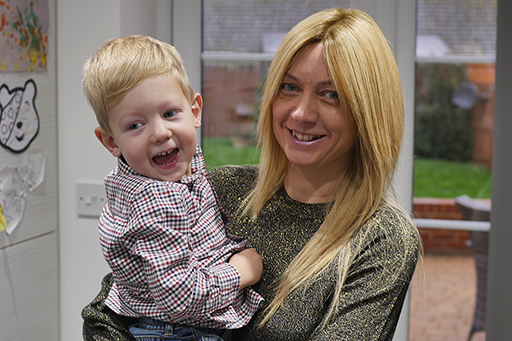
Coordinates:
(153, 127)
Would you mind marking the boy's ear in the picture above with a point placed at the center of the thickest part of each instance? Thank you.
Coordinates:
(197, 109)
(108, 141)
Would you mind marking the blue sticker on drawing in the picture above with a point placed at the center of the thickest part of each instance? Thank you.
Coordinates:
(19, 121)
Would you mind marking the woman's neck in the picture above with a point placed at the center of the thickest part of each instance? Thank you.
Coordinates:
(310, 187)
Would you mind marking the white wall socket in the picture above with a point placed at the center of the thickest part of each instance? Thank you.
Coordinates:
(91, 199)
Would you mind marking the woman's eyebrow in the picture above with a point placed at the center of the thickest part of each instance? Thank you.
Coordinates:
(290, 76)
(325, 83)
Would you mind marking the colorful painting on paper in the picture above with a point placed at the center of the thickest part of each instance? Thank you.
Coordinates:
(23, 35)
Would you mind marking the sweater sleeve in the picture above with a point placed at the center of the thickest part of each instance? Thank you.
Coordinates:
(371, 297)
(101, 323)
(374, 292)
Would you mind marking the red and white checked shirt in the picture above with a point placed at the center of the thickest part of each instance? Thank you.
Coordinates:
(167, 246)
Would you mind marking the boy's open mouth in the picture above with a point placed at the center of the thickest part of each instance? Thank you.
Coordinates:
(166, 157)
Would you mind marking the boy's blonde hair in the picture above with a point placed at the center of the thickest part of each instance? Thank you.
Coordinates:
(123, 63)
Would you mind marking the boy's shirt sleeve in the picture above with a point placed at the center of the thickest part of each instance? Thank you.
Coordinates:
(160, 275)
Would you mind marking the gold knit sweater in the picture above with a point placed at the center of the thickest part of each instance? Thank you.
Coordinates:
(371, 298)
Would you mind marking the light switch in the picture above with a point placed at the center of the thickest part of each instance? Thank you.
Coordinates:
(91, 199)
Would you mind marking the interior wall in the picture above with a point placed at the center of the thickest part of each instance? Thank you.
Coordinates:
(29, 254)
(83, 27)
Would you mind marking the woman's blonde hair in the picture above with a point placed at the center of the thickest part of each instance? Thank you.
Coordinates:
(123, 63)
(365, 74)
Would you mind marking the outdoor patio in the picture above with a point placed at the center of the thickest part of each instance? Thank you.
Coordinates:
(443, 295)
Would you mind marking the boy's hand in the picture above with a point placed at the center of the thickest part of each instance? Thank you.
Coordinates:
(250, 266)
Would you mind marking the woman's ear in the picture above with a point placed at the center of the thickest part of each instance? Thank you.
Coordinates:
(197, 109)
(108, 141)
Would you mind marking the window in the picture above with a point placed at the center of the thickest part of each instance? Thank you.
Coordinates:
(454, 110)
(237, 50)
(454, 116)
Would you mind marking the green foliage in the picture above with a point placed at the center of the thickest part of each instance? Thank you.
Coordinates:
(432, 178)
(441, 130)
(449, 179)
(219, 151)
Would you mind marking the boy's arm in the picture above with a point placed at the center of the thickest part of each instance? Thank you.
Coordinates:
(159, 234)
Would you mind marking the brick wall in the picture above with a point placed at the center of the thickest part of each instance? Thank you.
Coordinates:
(482, 114)
(224, 90)
(441, 241)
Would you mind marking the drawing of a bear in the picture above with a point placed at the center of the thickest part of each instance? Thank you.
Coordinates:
(19, 121)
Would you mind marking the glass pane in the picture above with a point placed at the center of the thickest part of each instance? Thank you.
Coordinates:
(254, 25)
(231, 97)
(454, 116)
(454, 110)
(231, 88)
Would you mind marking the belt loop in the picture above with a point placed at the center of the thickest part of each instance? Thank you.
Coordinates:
(169, 328)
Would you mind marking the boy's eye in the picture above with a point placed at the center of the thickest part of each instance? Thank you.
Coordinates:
(170, 113)
(134, 126)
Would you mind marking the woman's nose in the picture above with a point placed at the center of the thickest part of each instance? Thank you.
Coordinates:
(160, 132)
(306, 110)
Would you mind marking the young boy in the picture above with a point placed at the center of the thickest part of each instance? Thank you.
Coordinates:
(161, 230)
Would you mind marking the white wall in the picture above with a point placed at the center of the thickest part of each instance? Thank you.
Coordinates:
(83, 26)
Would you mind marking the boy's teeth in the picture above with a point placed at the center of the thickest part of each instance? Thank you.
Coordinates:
(165, 157)
(165, 153)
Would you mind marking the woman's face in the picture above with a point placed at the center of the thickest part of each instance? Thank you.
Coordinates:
(309, 123)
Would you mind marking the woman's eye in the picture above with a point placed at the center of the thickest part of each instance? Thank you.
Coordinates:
(289, 87)
(332, 94)
(170, 113)
(134, 126)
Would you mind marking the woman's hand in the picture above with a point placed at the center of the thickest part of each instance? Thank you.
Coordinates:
(250, 266)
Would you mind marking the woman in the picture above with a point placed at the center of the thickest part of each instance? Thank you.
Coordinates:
(338, 252)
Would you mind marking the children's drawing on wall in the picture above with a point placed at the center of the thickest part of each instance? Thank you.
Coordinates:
(16, 183)
(3, 221)
(23, 35)
(19, 121)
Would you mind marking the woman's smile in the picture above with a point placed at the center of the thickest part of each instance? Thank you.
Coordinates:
(305, 137)
(309, 122)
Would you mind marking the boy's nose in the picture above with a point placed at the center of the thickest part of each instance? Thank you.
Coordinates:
(160, 133)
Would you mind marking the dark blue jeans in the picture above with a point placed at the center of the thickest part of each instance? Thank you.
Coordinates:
(149, 329)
